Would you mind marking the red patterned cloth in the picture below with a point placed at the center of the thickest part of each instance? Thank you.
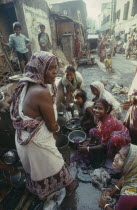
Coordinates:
(111, 133)
(108, 125)
(49, 185)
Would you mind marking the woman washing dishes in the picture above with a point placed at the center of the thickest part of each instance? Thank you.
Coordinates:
(97, 88)
(34, 116)
(126, 161)
(110, 134)
(72, 81)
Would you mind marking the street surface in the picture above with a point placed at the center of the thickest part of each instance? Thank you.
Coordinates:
(86, 196)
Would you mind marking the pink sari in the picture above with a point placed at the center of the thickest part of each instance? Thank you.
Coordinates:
(111, 133)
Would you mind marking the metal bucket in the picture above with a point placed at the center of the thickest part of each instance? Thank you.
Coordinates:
(62, 144)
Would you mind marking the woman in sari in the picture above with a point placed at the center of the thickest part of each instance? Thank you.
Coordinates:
(103, 44)
(110, 134)
(131, 117)
(77, 46)
(34, 116)
(97, 88)
(126, 162)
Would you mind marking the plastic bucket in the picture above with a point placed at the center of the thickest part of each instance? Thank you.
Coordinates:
(62, 144)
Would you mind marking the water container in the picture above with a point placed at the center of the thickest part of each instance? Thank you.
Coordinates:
(62, 144)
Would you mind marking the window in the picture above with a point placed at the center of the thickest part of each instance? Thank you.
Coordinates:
(126, 9)
(79, 16)
(65, 12)
(118, 15)
(134, 8)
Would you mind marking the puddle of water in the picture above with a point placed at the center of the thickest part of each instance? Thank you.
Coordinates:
(85, 197)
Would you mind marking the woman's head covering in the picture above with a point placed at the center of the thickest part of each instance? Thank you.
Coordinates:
(35, 72)
(38, 66)
(130, 172)
(100, 87)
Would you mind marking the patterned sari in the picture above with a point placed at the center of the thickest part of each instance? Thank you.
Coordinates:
(128, 194)
(111, 133)
(45, 169)
(130, 173)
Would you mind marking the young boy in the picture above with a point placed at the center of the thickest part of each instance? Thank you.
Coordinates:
(19, 43)
(43, 39)
(108, 64)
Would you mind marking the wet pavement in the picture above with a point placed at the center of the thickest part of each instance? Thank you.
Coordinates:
(84, 198)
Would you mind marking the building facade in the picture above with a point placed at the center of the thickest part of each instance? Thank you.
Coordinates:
(126, 15)
(75, 9)
(29, 13)
(105, 17)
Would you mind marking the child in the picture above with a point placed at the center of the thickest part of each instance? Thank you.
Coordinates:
(108, 64)
(43, 39)
(85, 109)
(19, 43)
(107, 49)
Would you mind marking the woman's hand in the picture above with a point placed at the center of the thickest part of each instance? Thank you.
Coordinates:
(133, 99)
(102, 202)
(82, 148)
(107, 192)
(126, 105)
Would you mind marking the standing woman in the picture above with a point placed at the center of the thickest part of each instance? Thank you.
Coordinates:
(72, 81)
(103, 45)
(34, 116)
(77, 46)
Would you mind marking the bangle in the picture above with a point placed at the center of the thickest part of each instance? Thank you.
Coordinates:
(58, 129)
(117, 187)
(55, 124)
(106, 205)
(88, 148)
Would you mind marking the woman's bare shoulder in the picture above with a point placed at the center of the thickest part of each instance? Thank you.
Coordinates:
(39, 92)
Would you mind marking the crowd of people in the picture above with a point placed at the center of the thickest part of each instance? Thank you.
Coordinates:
(36, 122)
(109, 46)
(34, 115)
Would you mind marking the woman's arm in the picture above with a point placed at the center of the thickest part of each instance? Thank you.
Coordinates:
(90, 111)
(89, 148)
(112, 192)
(47, 111)
(79, 85)
(68, 95)
(103, 203)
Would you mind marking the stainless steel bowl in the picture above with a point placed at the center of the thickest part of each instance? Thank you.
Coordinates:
(73, 124)
(10, 157)
(77, 136)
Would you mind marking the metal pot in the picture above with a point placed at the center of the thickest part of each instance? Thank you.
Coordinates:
(77, 135)
(73, 124)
